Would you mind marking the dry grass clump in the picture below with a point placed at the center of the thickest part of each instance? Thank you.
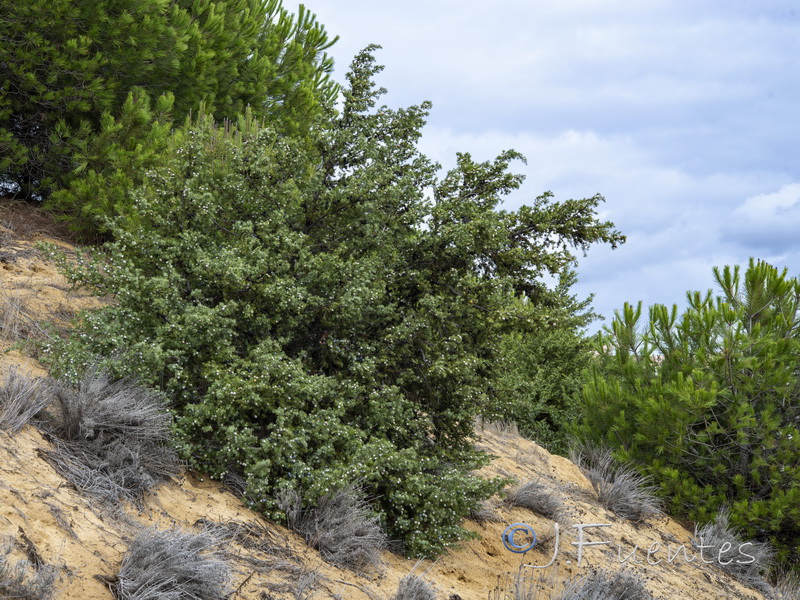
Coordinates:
(25, 221)
(603, 585)
(300, 582)
(485, 513)
(414, 587)
(721, 541)
(17, 323)
(787, 587)
(11, 320)
(252, 543)
(172, 565)
(525, 585)
(538, 498)
(250, 535)
(499, 428)
(21, 399)
(304, 583)
(250, 547)
(342, 527)
(24, 579)
(620, 487)
(114, 438)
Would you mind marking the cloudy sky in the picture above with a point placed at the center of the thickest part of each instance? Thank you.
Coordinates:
(684, 114)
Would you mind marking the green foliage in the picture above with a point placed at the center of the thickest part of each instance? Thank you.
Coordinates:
(78, 82)
(112, 161)
(544, 359)
(707, 402)
(317, 319)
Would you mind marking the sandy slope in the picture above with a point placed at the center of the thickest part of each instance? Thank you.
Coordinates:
(50, 521)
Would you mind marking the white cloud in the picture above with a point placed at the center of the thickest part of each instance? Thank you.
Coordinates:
(768, 222)
(642, 192)
(675, 220)
(781, 205)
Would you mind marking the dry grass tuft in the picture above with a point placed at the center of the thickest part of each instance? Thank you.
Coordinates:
(17, 324)
(26, 221)
(525, 585)
(603, 585)
(342, 527)
(499, 428)
(11, 327)
(25, 580)
(787, 587)
(253, 536)
(619, 487)
(21, 399)
(720, 540)
(300, 584)
(538, 498)
(414, 587)
(172, 565)
(304, 583)
(114, 438)
(485, 513)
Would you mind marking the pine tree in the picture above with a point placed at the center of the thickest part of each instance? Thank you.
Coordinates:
(78, 80)
(708, 402)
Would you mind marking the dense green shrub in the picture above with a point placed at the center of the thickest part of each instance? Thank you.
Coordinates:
(708, 402)
(88, 88)
(317, 320)
(544, 359)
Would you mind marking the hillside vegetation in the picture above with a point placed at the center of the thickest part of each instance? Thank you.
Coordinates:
(314, 318)
(289, 298)
(708, 402)
(67, 539)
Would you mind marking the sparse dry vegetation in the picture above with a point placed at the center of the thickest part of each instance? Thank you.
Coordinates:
(526, 584)
(414, 587)
(22, 397)
(619, 487)
(11, 322)
(603, 585)
(501, 428)
(485, 513)
(787, 587)
(341, 527)
(172, 565)
(539, 498)
(249, 535)
(113, 438)
(18, 323)
(25, 580)
(723, 543)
